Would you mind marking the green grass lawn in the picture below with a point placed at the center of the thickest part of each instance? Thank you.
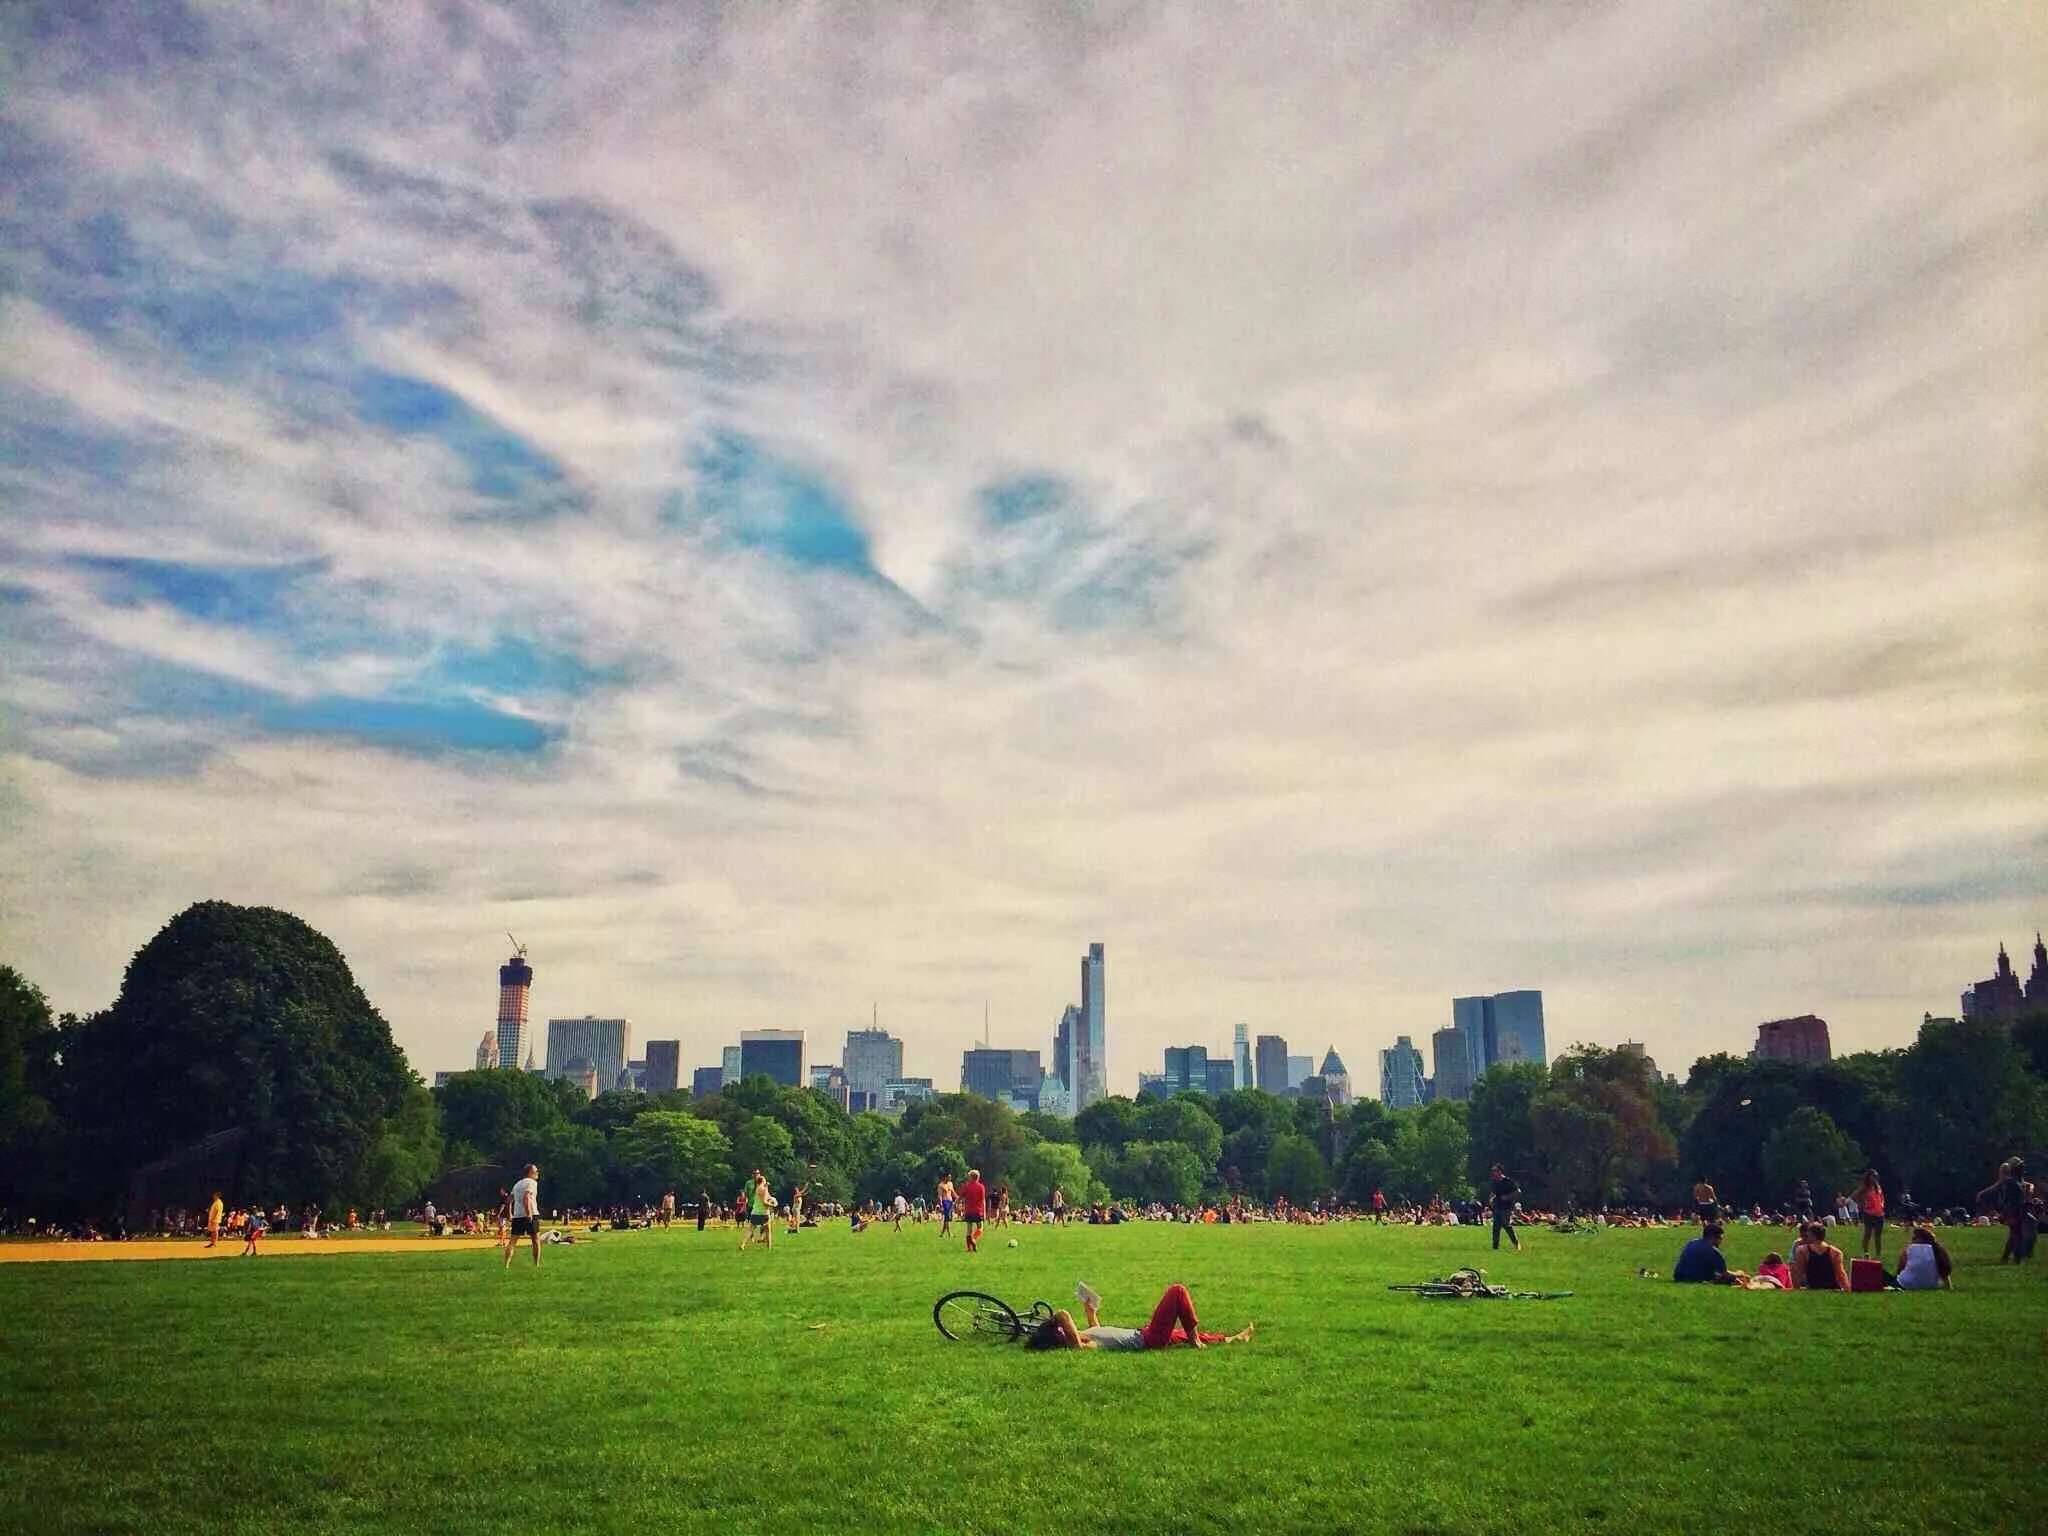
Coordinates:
(660, 1381)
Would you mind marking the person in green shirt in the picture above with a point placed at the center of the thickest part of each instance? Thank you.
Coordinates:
(759, 1204)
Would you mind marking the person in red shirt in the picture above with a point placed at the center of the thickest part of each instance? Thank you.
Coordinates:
(973, 1207)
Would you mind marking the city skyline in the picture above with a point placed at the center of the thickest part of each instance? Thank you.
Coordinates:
(1344, 534)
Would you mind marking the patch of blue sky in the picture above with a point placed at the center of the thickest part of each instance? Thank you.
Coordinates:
(502, 465)
(422, 726)
(514, 667)
(761, 502)
(244, 596)
(51, 439)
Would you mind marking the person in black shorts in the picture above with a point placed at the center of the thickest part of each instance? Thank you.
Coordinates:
(525, 1215)
(1504, 1190)
(1706, 1205)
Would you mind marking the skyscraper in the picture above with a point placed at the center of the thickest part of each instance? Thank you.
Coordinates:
(1401, 1075)
(776, 1053)
(1063, 1048)
(729, 1064)
(1221, 1076)
(1336, 1081)
(1505, 1027)
(1091, 1045)
(601, 1045)
(1299, 1070)
(1186, 1067)
(1453, 1061)
(1241, 1057)
(706, 1081)
(873, 1056)
(487, 1051)
(1001, 1075)
(664, 1066)
(515, 985)
(1272, 1063)
(1802, 1039)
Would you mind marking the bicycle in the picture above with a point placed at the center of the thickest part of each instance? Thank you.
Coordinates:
(1470, 1284)
(978, 1316)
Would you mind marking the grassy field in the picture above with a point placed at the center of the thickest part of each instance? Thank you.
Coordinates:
(660, 1381)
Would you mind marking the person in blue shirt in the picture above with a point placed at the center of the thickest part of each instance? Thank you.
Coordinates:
(1700, 1261)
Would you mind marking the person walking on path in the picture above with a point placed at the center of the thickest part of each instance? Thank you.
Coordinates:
(525, 1215)
(1504, 1191)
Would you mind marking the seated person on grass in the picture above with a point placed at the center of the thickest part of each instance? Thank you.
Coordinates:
(1817, 1263)
(1925, 1265)
(1700, 1261)
(1772, 1272)
(1174, 1316)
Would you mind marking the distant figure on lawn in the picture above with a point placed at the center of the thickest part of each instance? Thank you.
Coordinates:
(1505, 1189)
(252, 1228)
(1700, 1261)
(759, 1202)
(1870, 1205)
(1173, 1318)
(2008, 1198)
(1706, 1205)
(213, 1211)
(703, 1208)
(973, 1208)
(1817, 1263)
(1773, 1271)
(525, 1215)
(1925, 1265)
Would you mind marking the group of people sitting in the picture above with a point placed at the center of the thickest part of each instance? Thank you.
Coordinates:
(1815, 1265)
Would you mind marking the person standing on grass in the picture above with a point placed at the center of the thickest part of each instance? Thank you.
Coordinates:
(1002, 1206)
(703, 1208)
(1379, 1208)
(1802, 1202)
(973, 1207)
(1870, 1205)
(252, 1228)
(213, 1213)
(1504, 1190)
(946, 1198)
(902, 1206)
(758, 1201)
(1706, 1205)
(501, 1227)
(525, 1215)
(1059, 1205)
(795, 1210)
(2007, 1196)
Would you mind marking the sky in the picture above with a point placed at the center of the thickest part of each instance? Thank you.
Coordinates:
(809, 513)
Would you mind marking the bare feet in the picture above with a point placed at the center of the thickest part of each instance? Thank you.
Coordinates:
(1243, 1335)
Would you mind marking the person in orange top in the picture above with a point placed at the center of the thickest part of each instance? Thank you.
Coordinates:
(1870, 1202)
(973, 1208)
(213, 1214)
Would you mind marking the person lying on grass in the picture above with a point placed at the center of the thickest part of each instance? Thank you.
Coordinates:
(1174, 1316)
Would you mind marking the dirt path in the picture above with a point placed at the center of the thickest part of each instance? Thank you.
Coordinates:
(292, 1246)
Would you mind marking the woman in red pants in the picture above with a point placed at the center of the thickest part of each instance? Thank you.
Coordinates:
(1173, 1318)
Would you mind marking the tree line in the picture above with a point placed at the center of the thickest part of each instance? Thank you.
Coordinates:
(247, 1021)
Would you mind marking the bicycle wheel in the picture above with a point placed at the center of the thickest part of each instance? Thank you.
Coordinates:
(976, 1315)
(1431, 1288)
(1537, 1295)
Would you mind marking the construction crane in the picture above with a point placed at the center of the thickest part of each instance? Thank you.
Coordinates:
(518, 949)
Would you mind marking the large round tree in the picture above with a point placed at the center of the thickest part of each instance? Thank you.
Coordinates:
(238, 1018)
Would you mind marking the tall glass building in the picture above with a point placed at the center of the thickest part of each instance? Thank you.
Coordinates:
(515, 988)
(1401, 1075)
(1241, 1057)
(1091, 1051)
(1507, 1026)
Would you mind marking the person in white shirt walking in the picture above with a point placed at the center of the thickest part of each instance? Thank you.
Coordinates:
(525, 1215)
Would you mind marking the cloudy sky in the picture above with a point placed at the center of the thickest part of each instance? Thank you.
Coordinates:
(791, 510)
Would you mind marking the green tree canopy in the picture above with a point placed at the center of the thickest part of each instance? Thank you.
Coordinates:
(238, 1017)
(1169, 1171)
(1810, 1146)
(1296, 1169)
(1047, 1165)
(666, 1150)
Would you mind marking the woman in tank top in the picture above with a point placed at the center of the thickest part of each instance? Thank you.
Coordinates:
(1817, 1263)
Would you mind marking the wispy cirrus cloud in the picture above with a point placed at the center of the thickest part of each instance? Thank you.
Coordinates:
(1347, 507)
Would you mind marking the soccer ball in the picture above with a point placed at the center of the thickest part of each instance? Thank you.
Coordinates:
(1013, 1242)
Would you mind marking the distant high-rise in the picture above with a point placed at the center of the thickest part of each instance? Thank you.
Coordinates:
(706, 1081)
(515, 987)
(775, 1053)
(1091, 1042)
(1186, 1067)
(729, 1063)
(2000, 996)
(1272, 1063)
(601, 1045)
(487, 1051)
(1336, 1081)
(1401, 1075)
(664, 1066)
(1451, 1055)
(1299, 1070)
(832, 1081)
(873, 1056)
(1221, 1076)
(1152, 1085)
(1241, 1057)
(1802, 1039)
(1001, 1075)
(1063, 1048)
(1506, 1027)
